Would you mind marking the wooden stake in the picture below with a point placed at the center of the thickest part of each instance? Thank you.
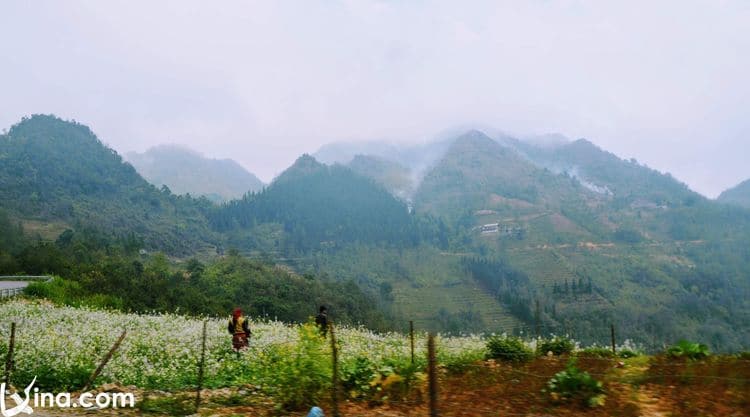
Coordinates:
(614, 349)
(335, 377)
(432, 375)
(411, 338)
(106, 359)
(9, 357)
(201, 365)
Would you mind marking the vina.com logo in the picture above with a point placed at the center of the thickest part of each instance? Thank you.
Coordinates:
(86, 400)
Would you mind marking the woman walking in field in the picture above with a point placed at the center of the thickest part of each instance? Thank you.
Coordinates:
(239, 330)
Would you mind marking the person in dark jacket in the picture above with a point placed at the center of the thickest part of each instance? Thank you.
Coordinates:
(322, 320)
(239, 330)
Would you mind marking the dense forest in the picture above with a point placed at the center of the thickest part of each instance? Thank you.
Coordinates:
(96, 270)
(325, 207)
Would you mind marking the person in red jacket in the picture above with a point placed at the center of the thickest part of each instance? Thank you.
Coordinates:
(239, 330)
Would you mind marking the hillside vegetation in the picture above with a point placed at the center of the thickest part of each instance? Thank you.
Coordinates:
(738, 195)
(53, 170)
(499, 235)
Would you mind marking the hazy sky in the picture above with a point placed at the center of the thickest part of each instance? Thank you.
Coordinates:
(666, 82)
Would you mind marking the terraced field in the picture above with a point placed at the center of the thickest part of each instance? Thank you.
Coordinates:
(545, 267)
(422, 304)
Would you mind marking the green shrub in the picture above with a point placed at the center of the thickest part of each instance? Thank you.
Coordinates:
(557, 345)
(508, 348)
(597, 352)
(304, 373)
(461, 361)
(744, 355)
(66, 292)
(687, 349)
(627, 353)
(572, 384)
(357, 375)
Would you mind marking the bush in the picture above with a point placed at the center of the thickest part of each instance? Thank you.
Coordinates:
(66, 292)
(557, 345)
(597, 352)
(628, 353)
(394, 384)
(508, 349)
(572, 384)
(357, 375)
(687, 349)
(304, 373)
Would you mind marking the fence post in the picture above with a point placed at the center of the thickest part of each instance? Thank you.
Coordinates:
(614, 349)
(335, 376)
(9, 358)
(201, 365)
(106, 359)
(432, 375)
(411, 338)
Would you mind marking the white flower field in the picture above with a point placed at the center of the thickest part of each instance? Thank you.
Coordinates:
(61, 346)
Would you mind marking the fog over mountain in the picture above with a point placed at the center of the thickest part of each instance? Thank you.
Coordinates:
(263, 82)
(185, 171)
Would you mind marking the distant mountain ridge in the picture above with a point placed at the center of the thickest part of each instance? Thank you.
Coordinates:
(594, 168)
(738, 195)
(186, 171)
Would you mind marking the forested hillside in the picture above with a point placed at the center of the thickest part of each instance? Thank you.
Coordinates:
(322, 206)
(605, 173)
(54, 170)
(738, 195)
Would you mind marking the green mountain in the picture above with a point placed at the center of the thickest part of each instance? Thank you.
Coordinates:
(321, 206)
(605, 173)
(54, 171)
(563, 225)
(738, 195)
(187, 172)
(478, 173)
(594, 238)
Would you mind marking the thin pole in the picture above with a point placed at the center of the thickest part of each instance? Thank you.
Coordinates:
(9, 357)
(335, 377)
(411, 338)
(200, 368)
(106, 359)
(432, 375)
(614, 349)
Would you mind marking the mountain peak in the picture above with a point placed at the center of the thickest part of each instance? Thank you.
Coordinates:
(475, 136)
(304, 165)
(584, 142)
(307, 162)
